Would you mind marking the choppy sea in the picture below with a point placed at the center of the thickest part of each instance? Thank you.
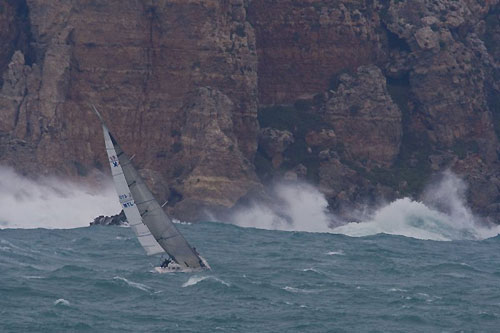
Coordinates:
(411, 266)
(98, 279)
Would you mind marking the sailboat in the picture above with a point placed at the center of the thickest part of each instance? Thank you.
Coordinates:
(154, 229)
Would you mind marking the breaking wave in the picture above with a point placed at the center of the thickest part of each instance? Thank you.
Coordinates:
(51, 203)
(301, 208)
(336, 253)
(193, 280)
(137, 285)
(442, 215)
(61, 301)
(298, 290)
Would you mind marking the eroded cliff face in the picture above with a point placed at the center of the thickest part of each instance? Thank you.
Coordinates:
(302, 45)
(137, 61)
(419, 95)
(364, 98)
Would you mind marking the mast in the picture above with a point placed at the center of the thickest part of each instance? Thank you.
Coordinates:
(154, 229)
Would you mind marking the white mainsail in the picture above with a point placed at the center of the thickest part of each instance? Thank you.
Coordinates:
(153, 227)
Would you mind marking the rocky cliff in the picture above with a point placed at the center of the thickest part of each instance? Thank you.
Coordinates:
(364, 98)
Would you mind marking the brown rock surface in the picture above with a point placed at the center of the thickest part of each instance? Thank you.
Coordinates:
(136, 61)
(376, 94)
(365, 118)
(303, 44)
(274, 142)
(209, 169)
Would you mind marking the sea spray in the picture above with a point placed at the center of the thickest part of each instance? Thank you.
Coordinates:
(301, 208)
(49, 202)
(442, 215)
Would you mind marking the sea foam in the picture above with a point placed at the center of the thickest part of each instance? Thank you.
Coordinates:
(442, 215)
(193, 280)
(137, 285)
(62, 301)
(51, 203)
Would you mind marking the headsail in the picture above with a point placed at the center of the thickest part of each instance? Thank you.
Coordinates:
(153, 227)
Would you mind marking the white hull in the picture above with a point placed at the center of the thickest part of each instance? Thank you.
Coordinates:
(175, 268)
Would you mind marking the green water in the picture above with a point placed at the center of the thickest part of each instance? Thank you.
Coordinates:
(99, 280)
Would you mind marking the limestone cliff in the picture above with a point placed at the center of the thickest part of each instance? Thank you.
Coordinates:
(216, 98)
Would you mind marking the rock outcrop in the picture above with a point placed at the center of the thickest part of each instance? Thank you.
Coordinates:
(118, 219)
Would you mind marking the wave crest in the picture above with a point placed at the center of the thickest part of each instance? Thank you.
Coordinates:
(442, 215)
(193, 280)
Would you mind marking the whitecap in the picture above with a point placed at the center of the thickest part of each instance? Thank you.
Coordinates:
(9, 245)
(314, 270)
(336, 253)
(311, 270)
(193, 280)
(176, 221)
(298, 290)
(443, 214)
(428, 298)
(62, 301)
(137, 285)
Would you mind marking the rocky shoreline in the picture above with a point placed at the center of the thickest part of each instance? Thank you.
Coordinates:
(118, 219)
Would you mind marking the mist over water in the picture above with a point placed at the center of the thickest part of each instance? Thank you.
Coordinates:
(443, 214)
(297, 207)
(261, 281)
(51, 203)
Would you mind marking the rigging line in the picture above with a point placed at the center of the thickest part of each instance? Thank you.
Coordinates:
(142, 202)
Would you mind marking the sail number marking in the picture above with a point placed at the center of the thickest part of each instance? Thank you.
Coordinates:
(126, 200)
(128, 204)
(114, 161)
(124, 196)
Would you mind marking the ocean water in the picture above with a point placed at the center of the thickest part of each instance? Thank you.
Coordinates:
(411, 266)
(98, 279)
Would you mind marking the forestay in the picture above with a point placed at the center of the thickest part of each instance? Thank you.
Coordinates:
(153, 227)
